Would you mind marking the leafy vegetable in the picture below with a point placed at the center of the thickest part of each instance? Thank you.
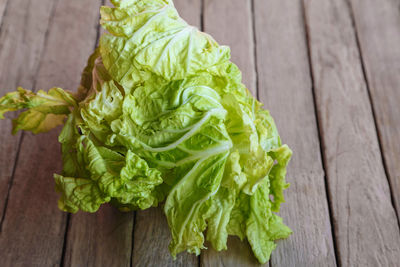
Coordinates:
(161, 115)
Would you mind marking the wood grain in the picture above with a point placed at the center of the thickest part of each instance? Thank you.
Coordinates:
(230, 23)
(73, 32)
(33, 227)
(46, 43)
(364, 219)
(378, 32)
(238, 254)
(151, 239)
(152, 234)
(3, 4)
(21, 47)
(100, 239)
(190, 11)
(285, 87)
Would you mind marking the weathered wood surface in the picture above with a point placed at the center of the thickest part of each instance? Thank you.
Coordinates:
(190, 10)
(151, 239)
(152, 234)
(366, 227)
(26, 237)
(21, 46)
(377, 26)
(238, 254)
(33, 227)
(285, 87)
(3, 4)
(230, 23)
(302, 55)
(100, 239)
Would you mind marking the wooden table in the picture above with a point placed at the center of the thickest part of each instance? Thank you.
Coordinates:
(329, 72)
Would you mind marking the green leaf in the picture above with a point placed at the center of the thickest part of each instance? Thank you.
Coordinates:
(187, 200)
(277, 175)
(87, 77)
(223, 202)
(161, 114)
(125, 179)
(149, 37)
(78, 194)
(262, 226)
(44, 110)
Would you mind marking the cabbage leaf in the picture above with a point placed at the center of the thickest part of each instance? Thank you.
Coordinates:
(161, 116)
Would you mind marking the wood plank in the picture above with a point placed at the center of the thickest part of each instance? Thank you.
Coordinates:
(3, 4)
(190, 11)
(270, 22)
(285, 87)
(151, 239)
(21, 46)
(73, 32)
(364, 219)
(33, 227)
(151, 233)
(103, 238)
(378, 29)
(230, 23)
(238, 254)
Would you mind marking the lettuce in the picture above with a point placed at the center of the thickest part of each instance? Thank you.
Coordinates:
(161, 115)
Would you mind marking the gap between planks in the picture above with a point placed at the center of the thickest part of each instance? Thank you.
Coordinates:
(350, 144)
(253, 27)
(68, 220)
(3, 10)
(321, 144)
(44, 75)
(21, 137)
(373, 108)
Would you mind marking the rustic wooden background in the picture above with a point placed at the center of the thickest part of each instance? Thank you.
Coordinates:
(328, 70)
